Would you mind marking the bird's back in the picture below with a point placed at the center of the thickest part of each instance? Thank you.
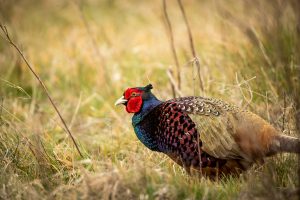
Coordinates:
(226, 131)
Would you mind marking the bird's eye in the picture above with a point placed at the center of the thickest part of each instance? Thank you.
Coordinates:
(133, 94)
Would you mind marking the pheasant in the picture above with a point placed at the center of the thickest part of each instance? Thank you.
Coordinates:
(203, 134)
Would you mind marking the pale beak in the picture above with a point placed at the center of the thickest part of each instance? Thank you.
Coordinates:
(120, 101)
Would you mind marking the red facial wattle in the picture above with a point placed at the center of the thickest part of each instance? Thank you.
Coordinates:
(134, 104)
(135, 101)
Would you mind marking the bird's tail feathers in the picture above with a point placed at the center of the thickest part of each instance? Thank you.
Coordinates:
(284, 143)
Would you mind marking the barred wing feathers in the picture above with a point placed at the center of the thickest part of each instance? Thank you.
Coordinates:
(216, 122)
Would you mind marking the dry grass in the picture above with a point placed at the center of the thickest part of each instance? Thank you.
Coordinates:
(248, 52)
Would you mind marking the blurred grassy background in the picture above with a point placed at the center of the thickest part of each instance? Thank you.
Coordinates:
(89, 52)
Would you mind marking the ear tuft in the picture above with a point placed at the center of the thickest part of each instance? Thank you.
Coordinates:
(148, 87)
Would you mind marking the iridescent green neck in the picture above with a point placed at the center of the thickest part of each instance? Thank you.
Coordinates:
(144, 130)
(148, 104)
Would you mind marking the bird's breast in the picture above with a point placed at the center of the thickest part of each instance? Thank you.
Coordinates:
(145, 134)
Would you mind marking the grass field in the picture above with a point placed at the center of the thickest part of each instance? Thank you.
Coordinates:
(89, 52)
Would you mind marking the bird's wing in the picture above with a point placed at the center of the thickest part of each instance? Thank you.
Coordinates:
(215, 121)
(217, 135)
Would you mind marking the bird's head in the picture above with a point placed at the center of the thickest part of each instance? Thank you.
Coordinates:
(133, 98)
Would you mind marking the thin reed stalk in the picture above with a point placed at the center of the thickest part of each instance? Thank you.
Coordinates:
(7, 37)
